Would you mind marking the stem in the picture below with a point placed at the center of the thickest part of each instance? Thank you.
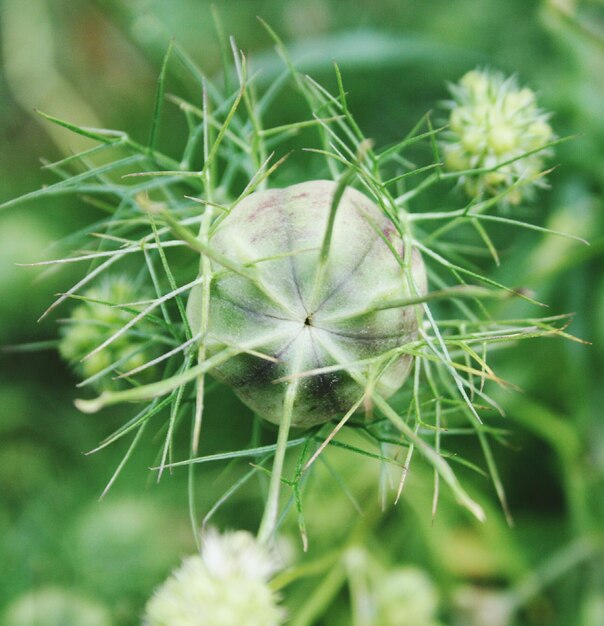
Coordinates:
(335, 578)
(362, 603)
(457, 291)
(326, 244)
(439, 464)
(271, 510)
(322, 597)
(269, 519)
(206, 272)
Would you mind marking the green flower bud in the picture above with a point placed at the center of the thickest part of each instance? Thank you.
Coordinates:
(95, 320)
(476, 83)
(515, 101)
(457, 119)
(305, 316)
(493, 122)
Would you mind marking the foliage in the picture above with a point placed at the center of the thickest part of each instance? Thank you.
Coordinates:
(226, 126)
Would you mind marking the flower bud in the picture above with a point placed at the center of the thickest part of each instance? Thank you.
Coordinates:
(515, 101)
(225, 584)
(96, 319)
(493, 125)
(476, 83)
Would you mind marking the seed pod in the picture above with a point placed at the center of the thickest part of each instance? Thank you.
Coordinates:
(305, 314)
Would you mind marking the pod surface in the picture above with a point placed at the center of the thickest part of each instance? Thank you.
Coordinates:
(289, 316)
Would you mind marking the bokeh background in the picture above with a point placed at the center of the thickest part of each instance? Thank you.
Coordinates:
(95, 62)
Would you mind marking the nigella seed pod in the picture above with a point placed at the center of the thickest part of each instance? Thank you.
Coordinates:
(325, 319)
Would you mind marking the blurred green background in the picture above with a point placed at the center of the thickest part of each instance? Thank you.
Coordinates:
(95, 62)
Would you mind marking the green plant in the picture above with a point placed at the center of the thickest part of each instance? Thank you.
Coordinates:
(172, 221)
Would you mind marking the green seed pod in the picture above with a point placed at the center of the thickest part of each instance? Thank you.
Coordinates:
(305, 306)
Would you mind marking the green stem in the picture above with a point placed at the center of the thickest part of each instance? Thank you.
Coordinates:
(269, 519)
(325, 246)
(271, 510)
(321, 598)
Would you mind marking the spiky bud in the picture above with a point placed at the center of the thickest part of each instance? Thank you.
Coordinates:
(493, 125)
(304, 308)
(96, 319)
(225, 584)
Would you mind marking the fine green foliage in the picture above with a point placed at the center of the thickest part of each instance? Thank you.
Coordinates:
(353, 551)
(159, 214)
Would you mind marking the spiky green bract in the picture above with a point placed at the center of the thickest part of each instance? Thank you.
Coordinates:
(103, 311)
(226, 584)
(318, 316)
(496, 127)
